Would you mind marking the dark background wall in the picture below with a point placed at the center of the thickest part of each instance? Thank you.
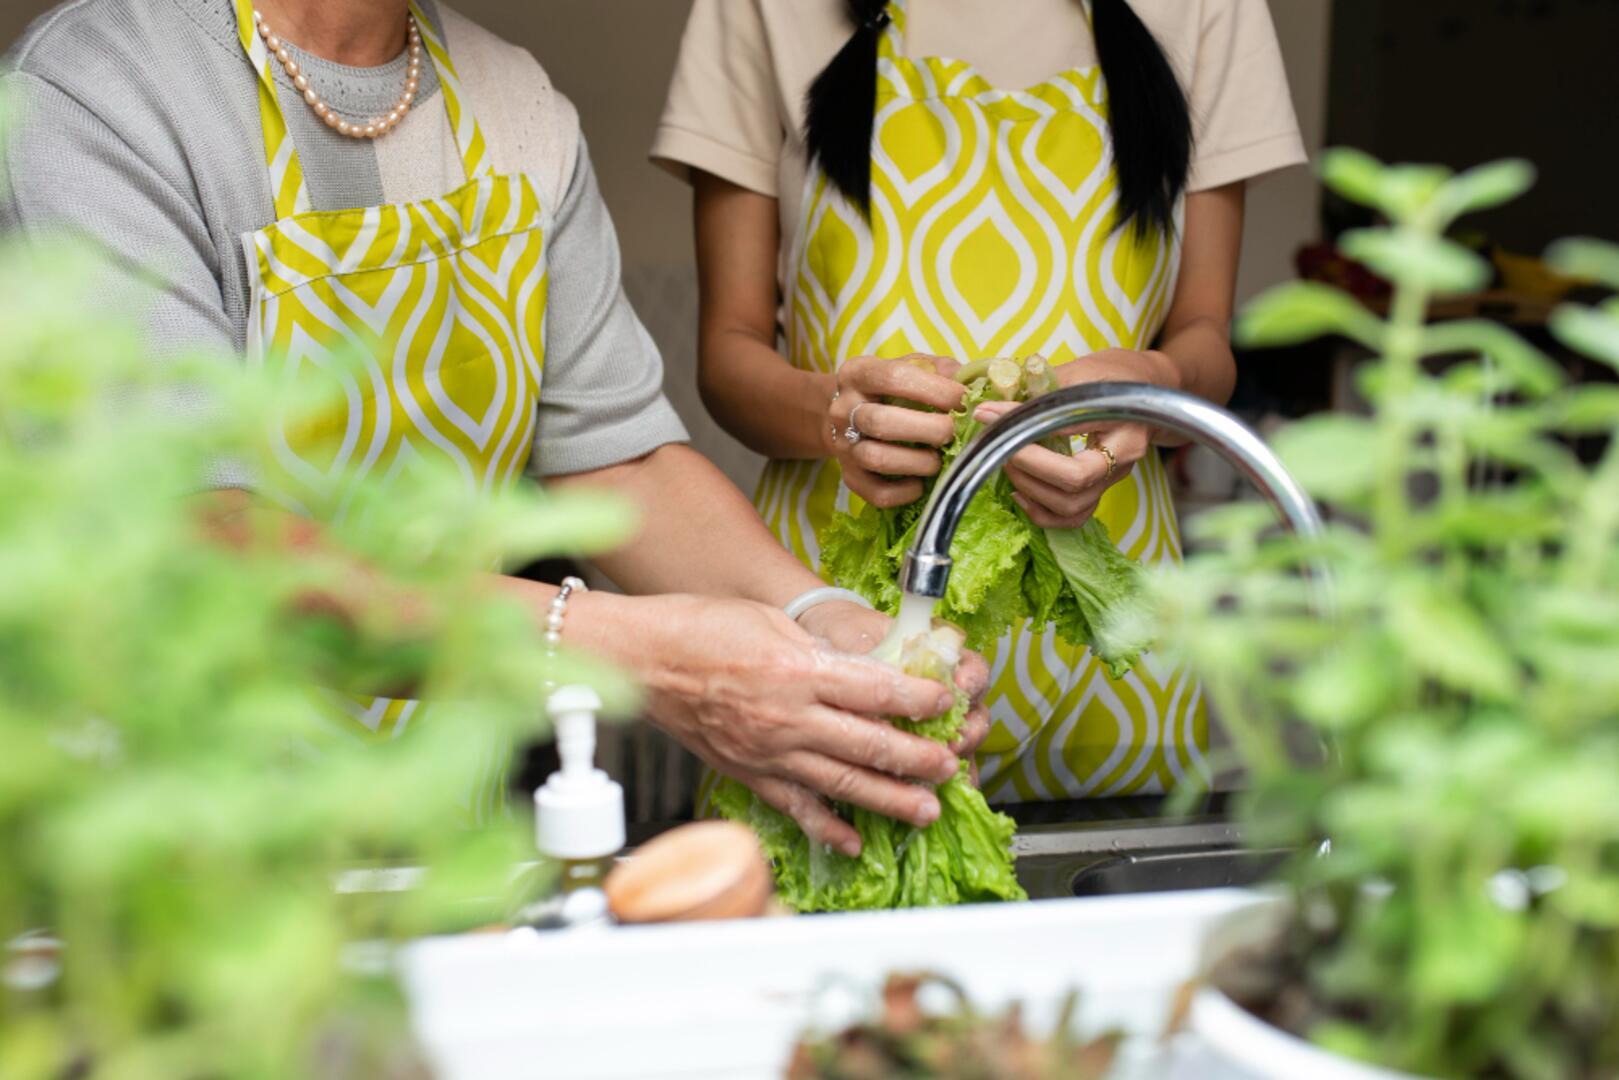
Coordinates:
(1465, 81)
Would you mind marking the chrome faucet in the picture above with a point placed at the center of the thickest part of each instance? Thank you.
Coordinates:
(926, 569)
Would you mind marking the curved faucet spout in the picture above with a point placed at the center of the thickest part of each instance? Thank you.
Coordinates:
(927, 564)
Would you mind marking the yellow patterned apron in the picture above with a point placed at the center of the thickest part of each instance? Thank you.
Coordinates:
(991, 234)
(442, 304)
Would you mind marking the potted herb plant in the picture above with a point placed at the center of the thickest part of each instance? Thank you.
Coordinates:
(1454, 909)
(175, 800)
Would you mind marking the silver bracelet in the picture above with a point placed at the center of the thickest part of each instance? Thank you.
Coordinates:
(559, 611)
(826, 594)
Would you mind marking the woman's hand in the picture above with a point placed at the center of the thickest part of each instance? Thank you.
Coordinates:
(853, 629)
(1060, 491)
(878, 467)
(758, 698)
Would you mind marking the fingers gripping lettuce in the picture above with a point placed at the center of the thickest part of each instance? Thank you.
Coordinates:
(1005, 567)
(964, 857)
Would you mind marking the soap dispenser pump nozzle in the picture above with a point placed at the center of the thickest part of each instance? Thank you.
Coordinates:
(579, 812)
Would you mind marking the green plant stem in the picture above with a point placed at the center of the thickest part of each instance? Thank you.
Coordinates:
(1594, 537)
(1255, 737)
(1402, 360)
(1453, 492)
(1548, 952)
(1608, 1046)
(1429, 1015)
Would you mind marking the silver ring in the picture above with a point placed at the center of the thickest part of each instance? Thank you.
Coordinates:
(852, 433)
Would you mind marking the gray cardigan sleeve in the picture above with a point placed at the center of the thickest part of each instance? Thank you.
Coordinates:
(601, 401)
(70, 175)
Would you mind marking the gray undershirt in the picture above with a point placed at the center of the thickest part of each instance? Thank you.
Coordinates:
(140, 129)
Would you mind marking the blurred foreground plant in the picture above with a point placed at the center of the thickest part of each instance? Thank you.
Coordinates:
(1466, 920)
(175, 797)
(910, 1037)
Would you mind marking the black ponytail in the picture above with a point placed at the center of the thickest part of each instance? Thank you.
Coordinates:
(841, 105)
(1152, 126)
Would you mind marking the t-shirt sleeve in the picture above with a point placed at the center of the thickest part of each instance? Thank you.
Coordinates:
(721, 115)
(1242, 110)
(601, 398)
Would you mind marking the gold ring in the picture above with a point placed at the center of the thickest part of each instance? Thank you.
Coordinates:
(1092, 443)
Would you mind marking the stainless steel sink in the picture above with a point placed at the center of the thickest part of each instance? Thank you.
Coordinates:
(1113, 846)
(1118, 846)
(1172, 871)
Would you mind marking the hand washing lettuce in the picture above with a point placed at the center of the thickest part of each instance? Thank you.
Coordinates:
(1005, 567)
(964, 857)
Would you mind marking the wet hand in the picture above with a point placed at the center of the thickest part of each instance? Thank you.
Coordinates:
(760, 699)
(850, 628)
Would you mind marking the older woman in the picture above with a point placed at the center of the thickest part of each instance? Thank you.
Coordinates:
(314, 178)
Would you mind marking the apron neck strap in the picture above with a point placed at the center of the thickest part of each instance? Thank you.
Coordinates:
(475, 155)
(891, 46)
(891, 43)
(286, 172)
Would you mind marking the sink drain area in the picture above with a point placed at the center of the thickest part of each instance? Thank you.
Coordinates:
(1126, 857)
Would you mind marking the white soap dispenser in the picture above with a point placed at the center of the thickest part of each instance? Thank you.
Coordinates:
(578, 818)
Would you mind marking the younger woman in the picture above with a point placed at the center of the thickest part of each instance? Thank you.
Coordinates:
(869, 185)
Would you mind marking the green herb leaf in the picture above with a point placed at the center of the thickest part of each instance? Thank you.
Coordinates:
(1355, 175)
(1466, 950)
(1345, 1039)
(1348, 686)
(1527, 369)
(1595, 260)
(1409, 190)
(1586, 409)
(1330, 455)
(1485, 187)
(1588, 330)
(1589, 898)
(1414, 259)
(1303, 311)
(1448, 640)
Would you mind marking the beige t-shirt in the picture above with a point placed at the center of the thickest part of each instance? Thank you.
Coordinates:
(736, 102)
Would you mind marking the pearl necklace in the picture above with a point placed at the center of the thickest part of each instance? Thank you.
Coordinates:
(371, 129)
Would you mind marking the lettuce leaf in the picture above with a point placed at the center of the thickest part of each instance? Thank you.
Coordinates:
(1104, 595)
(1006, 569)
(964, 857)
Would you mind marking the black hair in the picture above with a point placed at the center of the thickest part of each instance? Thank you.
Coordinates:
(1152, 125)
